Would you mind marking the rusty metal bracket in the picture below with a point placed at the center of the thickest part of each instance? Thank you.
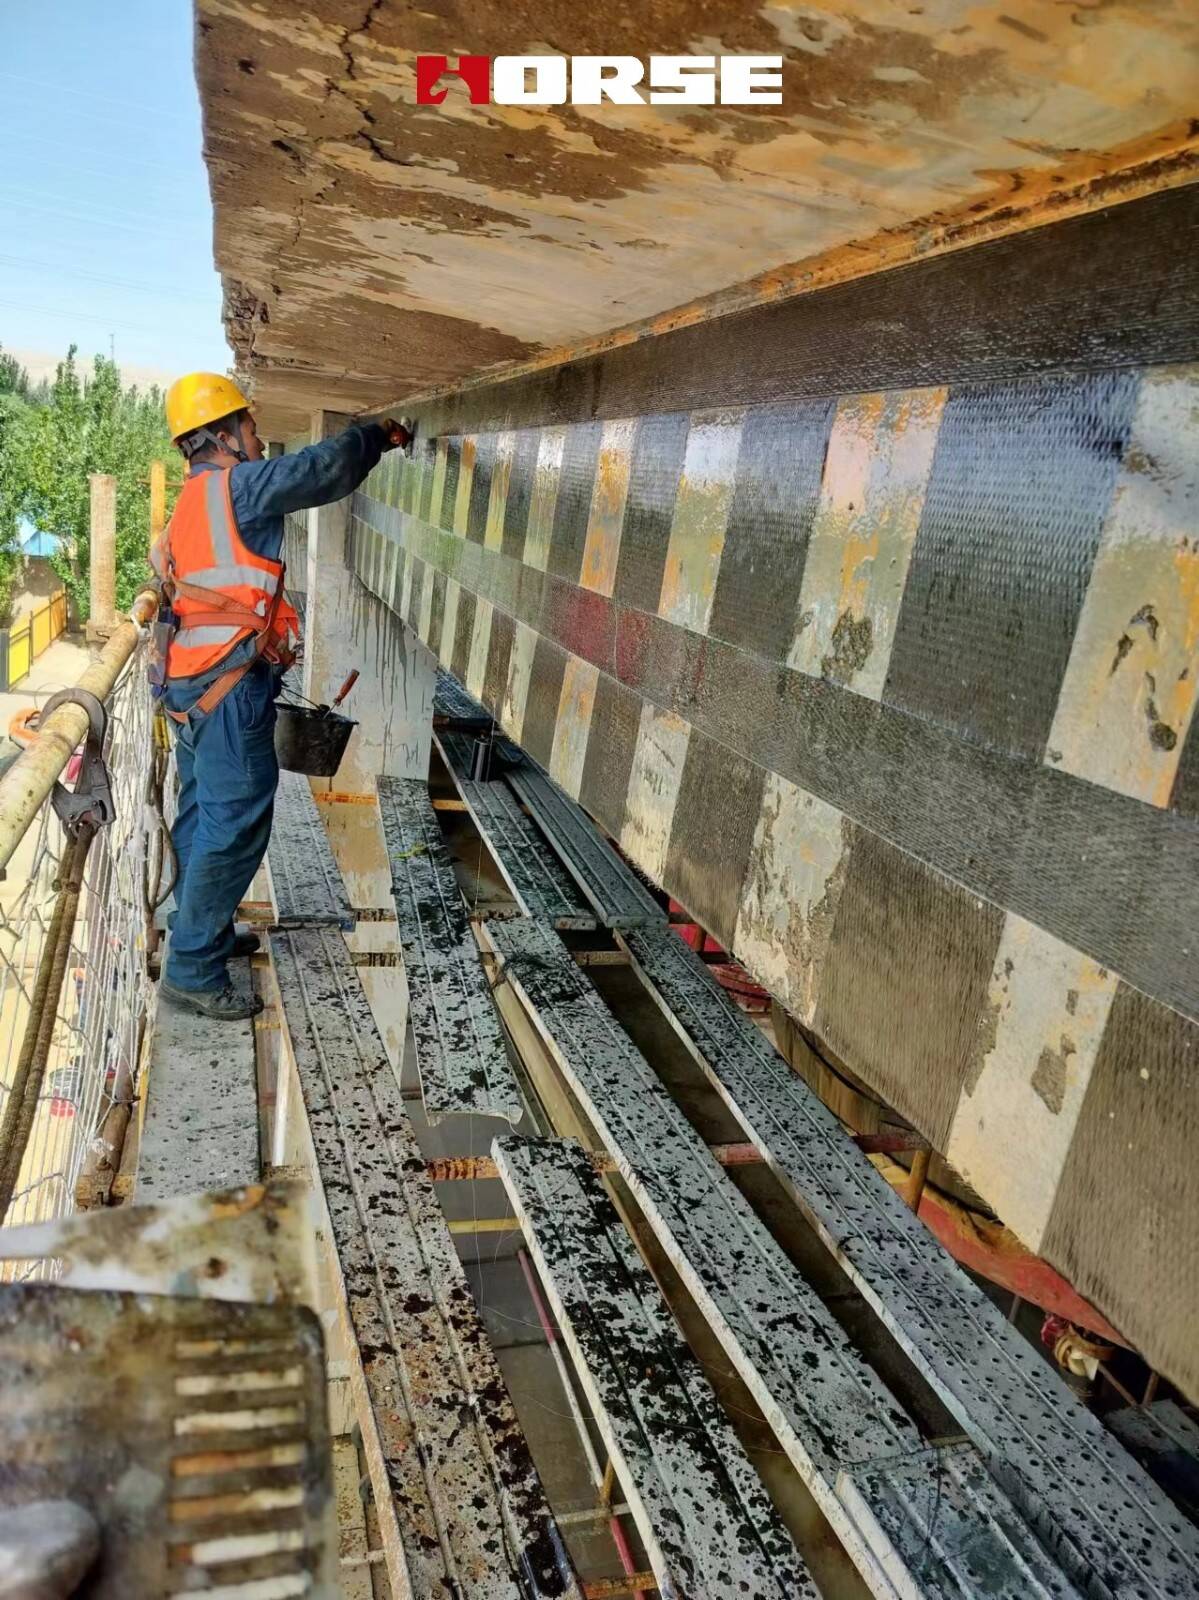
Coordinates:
(91, 802)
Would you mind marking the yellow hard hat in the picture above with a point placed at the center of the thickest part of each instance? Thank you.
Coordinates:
(200, 398)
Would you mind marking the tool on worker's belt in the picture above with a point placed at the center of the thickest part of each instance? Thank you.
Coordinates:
(312, 738)
(166, 622)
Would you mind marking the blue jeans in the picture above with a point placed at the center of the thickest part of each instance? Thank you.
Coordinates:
(228, 774)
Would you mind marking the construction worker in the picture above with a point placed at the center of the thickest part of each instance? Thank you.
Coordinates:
(219, 560)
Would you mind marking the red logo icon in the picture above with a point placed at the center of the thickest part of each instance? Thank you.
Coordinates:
(474, 71)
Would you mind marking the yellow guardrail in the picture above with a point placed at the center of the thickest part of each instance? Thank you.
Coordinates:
(34, 633)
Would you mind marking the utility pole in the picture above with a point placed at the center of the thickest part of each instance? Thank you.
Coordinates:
(102, 561)
(158, 499)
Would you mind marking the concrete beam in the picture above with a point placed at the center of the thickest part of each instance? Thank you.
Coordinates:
(347, 629)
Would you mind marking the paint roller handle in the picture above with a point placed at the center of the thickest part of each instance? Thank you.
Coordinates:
(399, 437)
(345, 689)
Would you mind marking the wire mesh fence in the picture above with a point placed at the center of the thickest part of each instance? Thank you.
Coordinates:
(74, 996)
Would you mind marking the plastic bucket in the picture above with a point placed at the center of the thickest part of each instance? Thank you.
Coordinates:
(311, 741)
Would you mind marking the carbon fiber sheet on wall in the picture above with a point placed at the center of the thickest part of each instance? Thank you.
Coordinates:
(893, 688)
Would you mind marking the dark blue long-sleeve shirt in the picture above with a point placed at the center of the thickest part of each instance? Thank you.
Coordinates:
(263, 493)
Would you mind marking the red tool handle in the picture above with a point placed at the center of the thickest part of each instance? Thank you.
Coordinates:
(345, 688)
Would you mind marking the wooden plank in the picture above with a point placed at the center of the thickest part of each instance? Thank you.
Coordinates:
(351, 1522)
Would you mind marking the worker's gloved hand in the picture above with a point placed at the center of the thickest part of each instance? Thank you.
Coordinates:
(399, 435)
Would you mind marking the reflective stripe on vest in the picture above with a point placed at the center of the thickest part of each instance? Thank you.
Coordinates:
(203, 549)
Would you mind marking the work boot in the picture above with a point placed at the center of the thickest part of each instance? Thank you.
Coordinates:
(222, 1005)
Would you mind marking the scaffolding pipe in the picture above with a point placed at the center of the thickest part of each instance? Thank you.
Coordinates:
(27, 783)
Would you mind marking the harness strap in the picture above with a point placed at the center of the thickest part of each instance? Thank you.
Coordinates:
(221, 607)
(216, 691)
(280, 655)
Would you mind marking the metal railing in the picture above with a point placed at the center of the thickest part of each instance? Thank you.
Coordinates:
(76, 907)
(31, 635)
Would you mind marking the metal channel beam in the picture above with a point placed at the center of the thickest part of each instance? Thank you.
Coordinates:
(537, 880)
(921, 1514)
(1107, 1520)
(610, 886)
(470, 1510)
(460, 1048)
(825, 1403)
(708, 1526)
(452, 703)
(306, 886)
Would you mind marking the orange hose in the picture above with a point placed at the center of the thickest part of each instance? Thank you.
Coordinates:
(19, 729)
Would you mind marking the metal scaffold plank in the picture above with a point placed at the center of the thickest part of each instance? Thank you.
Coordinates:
(610, 886)
(460, 1049)
(455, 707)
(921, 1515)
(306, 886)
(707, 1524)
(825, 1403)
(466, 1503)
(1101, 1513)
(539, 883)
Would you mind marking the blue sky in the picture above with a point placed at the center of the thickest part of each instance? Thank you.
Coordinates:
(105, 221)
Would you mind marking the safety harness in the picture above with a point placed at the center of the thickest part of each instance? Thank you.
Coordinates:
(225, 559)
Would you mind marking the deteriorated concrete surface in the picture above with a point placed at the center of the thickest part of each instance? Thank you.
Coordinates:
(306, 886)
(201, 1121)
(539, 883)
(371, 247)
(923, 752)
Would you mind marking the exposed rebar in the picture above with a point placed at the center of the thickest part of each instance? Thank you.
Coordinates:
(20, 1106)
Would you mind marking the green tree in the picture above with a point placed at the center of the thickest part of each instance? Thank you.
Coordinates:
(13, 419)
(86, 425)
(14, 379)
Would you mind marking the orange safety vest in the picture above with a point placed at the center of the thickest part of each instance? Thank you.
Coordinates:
(221, 591)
